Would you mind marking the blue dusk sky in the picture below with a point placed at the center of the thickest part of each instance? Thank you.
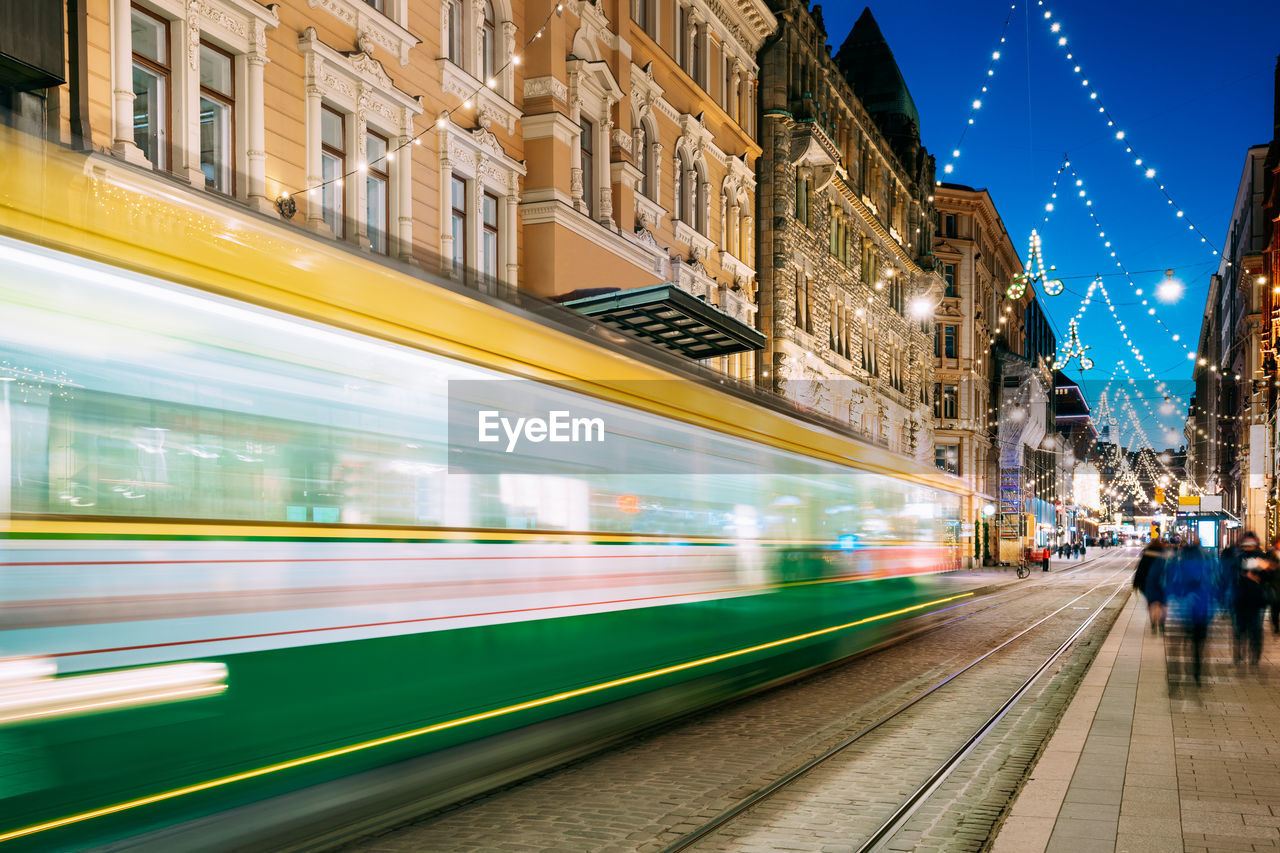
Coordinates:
(1190, 85)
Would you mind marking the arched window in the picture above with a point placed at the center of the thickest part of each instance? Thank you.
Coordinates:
(698, 198)
(642, 162)
(457, 33)
(488, 43)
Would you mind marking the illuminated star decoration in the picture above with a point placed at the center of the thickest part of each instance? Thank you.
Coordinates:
(1073, 349)
(1035, 261)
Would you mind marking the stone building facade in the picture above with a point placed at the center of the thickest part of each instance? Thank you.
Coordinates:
(847, 277)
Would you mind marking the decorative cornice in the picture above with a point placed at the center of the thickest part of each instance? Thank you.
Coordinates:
(367, 21)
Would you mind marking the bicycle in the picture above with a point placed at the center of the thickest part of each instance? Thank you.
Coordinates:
(1024, 569)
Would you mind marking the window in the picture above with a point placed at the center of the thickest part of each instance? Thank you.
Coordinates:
(355, 119)
(802, 198)
(151, 79)
(695, 58)
(458, 221)
(682, 27)
(802, 302)
(457, 33)
(643, 163)
(333, 165)
(640, 13)
(949, 276)
(948, 341)
(948, 225)
(489, 235)
(488, 43)
(217, 108)
(588, 184)
(377, 199)
(375, 4)
(949, 402)
(870, 263)
(947, 457)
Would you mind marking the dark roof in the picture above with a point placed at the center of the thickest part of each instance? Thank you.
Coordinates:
(868, 64)
(669, 317)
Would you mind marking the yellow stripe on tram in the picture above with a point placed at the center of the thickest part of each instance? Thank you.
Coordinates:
(450, 724)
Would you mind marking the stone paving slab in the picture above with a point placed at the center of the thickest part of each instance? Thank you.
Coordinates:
(1146, 760)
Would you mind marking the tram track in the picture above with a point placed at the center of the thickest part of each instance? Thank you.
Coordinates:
(713, 749)
(908, 807)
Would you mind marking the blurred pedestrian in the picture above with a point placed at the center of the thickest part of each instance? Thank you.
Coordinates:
(1082, 549)
(1245, 566)
(1149, 580)
(1193, 591)
(1273, 587)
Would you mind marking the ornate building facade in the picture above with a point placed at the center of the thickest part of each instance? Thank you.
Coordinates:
(847, 275)
(977, 261)
(554, 147)
(639, 128)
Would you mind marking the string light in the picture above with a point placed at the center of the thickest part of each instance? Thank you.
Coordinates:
(442, 119)
(1120, 135)
(950, 165)
(1082, 193)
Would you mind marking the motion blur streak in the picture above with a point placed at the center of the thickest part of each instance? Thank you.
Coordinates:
(28, 691)
(462, 721)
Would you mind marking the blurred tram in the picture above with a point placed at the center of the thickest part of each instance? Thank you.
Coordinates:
(238, 560)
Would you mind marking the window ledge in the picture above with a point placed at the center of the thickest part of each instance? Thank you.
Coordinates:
(700, 247)
(491, 107)
(372, 24)
(648, 212)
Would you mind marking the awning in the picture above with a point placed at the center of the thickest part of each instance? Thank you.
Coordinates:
(668, 316)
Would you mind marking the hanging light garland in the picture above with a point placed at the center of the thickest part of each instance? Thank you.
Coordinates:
(976, 105)
(1124, 271)
(1149, 172)
(285, 200)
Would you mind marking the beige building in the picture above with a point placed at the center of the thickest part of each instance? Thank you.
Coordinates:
(563, 148)
(639, 129)
(977, 261)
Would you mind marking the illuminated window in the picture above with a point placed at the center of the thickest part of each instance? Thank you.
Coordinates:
(151, 85)
(377, 197)
(217, 111)
(333, 165)
(947, 458)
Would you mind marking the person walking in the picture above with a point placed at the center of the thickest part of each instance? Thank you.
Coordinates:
(1245, 566)
(1273, 586)
(1192, 588)
(1149, 580)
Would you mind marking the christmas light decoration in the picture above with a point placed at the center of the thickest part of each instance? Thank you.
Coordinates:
(1121, 136)
(950, 165)
(1034, 272)
(1073, 348)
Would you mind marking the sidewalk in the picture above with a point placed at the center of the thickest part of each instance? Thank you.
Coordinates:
(1143, 760)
